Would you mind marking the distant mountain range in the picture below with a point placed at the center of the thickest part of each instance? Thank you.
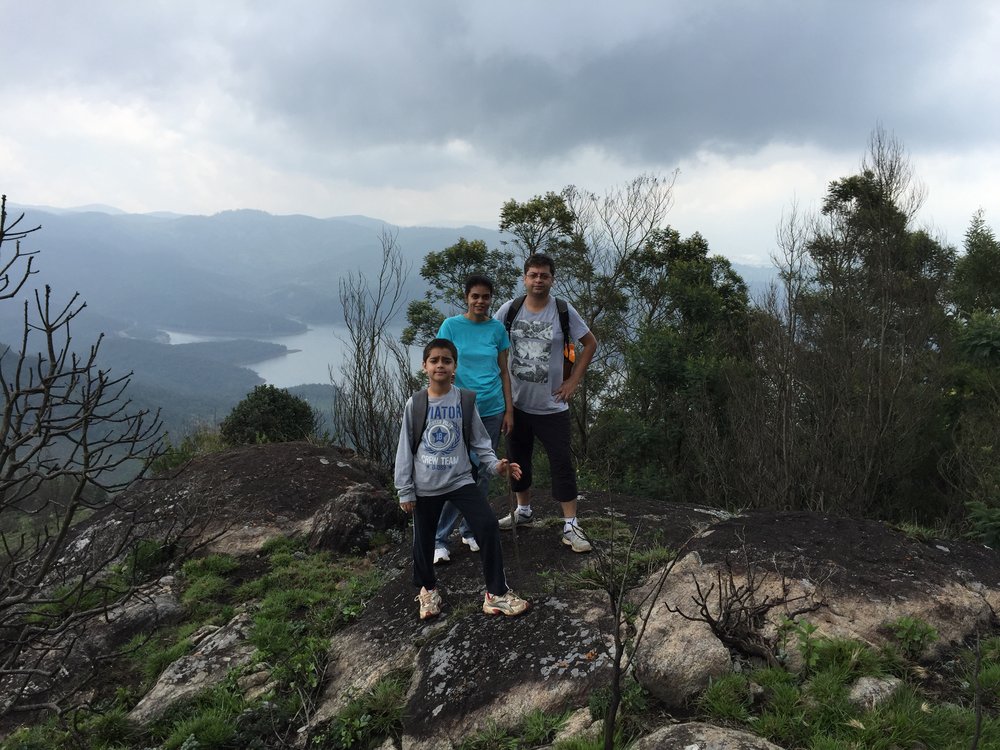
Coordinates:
(241, 273)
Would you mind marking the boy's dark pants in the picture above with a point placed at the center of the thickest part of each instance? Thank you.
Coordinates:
(483, 523)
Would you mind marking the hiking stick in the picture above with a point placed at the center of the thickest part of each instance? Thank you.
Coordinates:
(512, 502)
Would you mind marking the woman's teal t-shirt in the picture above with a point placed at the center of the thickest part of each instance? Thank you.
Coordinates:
(478, 345)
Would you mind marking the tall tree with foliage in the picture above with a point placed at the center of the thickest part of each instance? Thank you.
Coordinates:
(845, 401)
(977, 272)
(974, 396)
(445, 272)
(690, 329)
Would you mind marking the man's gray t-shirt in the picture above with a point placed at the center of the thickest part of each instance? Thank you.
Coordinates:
(535, 356)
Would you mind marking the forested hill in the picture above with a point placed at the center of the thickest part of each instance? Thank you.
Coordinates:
(240, 273)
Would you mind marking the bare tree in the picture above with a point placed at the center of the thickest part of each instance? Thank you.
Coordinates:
(69, 441)
(375, 378)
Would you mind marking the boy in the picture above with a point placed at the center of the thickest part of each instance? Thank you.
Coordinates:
(439, 471)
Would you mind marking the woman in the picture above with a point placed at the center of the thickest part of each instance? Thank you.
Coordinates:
(482, 344)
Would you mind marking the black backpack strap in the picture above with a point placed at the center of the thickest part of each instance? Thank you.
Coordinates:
(563, 309)
(418, 416)
(468, 400)
(512, 311)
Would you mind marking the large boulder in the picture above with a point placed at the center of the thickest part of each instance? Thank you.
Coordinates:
(699, 736)
(219, 651)
(677, 657)
(853, 577)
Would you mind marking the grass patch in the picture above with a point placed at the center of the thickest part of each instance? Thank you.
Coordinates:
(369, 718)
(727, 700)
(812, 709)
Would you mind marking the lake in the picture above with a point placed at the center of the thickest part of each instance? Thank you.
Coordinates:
(313, 352)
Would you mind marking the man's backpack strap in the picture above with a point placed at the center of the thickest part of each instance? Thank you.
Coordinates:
(512, 311)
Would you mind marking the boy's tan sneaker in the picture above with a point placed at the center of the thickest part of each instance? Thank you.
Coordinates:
(509, 604)
(430, 603)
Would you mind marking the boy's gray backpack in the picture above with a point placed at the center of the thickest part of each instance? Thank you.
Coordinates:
(419, 414)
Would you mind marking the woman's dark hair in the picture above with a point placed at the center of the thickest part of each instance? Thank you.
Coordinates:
(440, 344)
(538, 260)
(477, 279)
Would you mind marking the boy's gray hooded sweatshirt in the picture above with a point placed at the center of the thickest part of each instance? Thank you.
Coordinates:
(441, 463)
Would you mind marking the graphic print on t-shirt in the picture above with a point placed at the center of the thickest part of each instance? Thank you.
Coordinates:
(531, 350)
(441, 437)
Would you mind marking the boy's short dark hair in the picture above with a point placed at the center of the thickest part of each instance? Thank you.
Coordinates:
(440, 344)
(537, 260)
(477, 279)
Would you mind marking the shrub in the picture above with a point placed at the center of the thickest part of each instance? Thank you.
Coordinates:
(984, 521)
(268, 415)
(201, 442)
(912, 634)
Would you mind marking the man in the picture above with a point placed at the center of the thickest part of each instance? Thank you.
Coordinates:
(541, 394)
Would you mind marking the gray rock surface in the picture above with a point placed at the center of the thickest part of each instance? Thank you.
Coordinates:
(216, 654)
(698, 736)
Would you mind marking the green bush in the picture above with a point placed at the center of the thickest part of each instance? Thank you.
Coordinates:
(913, 635)
(268, 415)
(984, 521)
(201, 442)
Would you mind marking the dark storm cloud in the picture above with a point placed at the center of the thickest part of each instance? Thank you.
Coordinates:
(731, 78)
(647, 82)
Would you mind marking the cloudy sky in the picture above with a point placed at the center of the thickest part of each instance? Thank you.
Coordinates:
(435, 111)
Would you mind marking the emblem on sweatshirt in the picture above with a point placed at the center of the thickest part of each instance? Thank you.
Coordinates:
(441, 437)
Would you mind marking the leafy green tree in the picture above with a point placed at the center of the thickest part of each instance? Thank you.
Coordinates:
(974, 395)
(542, 224)
(693, 323)
(843, 409)
(268, 415)
(445, 272)
(977, 272)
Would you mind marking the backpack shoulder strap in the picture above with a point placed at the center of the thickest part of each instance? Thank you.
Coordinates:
(419, 417)
(563, 309)
(512, 311)
(468, 400)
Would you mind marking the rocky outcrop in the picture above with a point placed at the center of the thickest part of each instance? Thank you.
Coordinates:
(495, 670)
(468, 671)
(677, 657)
(68, 662)
(698, 736)
(216, 653)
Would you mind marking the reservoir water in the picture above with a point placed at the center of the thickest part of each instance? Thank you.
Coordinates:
(309, 360)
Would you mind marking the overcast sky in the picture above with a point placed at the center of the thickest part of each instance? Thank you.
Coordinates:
(434, 112)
